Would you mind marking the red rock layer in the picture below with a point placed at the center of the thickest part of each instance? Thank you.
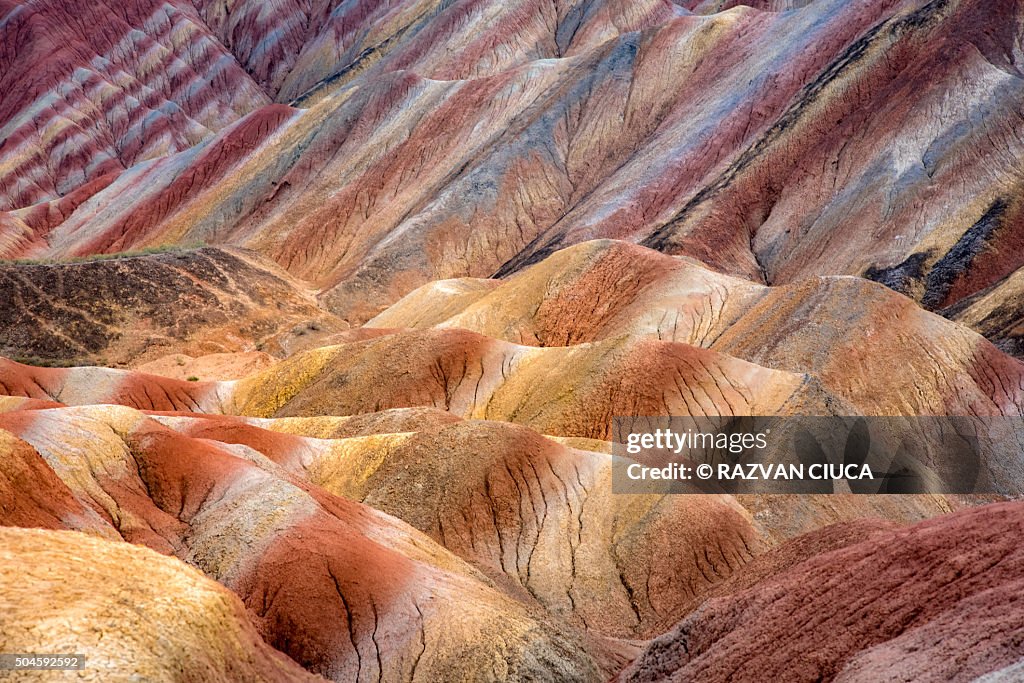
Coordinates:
(84, 386)
(939, 601)
(93, 89)
(31, 494)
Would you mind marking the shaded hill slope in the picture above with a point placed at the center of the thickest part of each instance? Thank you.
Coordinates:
(128, 310)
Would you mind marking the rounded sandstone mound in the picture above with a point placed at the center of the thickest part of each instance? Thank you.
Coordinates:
(938, 601)
(564, 391)
(133, 613)
(344, 590)
(827, 327)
